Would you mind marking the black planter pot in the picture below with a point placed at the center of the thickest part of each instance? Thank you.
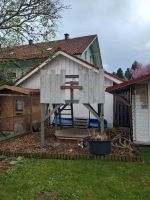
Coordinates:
(100, 147)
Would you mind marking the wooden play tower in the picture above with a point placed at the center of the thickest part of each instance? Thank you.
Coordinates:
(60, 89)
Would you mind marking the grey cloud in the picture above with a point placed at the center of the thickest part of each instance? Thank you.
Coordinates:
(123, 33)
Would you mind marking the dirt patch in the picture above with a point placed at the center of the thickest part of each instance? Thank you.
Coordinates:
(4, 164)
(47, 196)
(50, 196)
(30, 143)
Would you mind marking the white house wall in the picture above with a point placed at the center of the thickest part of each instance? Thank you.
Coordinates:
(141, 113)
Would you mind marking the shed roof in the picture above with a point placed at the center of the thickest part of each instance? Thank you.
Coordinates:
(18, 89)
(73, 46)
(125, 84)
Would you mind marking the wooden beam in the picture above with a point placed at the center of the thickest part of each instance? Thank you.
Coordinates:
(123, 99)
(61, 109)
(71, 76)
(73, 87)
(101, 113)
(31, 101)
(14, 95)
(93, 111)
(44, 117)
(72, 82)
(43, 112)
(52, 111)
(72, 101)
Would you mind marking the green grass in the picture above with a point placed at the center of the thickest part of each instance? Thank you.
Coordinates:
(79, 179)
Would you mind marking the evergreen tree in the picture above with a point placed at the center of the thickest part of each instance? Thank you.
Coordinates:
(128, 74)
(120, 73)
(114, 73)
(134, 65)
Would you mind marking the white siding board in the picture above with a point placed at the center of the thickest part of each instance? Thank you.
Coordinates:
(140, 116)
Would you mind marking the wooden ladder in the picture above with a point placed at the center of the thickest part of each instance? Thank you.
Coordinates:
(65, 107)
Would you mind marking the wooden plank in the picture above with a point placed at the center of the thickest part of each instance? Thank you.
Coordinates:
(43, 111)
(52, 111)
(90, 87)
(101, 88)
(91, 109)
(72, 82)
(15, 95)
(83, 96)
(71, 76)
(102, 118)
(62, 82)
(63, 87)
(81, 83)
(72, 101)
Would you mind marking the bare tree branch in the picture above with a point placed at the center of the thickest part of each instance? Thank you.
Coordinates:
(25, 15)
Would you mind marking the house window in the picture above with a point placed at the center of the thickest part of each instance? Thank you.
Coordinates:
(19, 105)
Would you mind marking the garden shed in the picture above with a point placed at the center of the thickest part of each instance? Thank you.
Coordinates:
(19, 109)
(61, 87)
(138, 100)
(65, 80)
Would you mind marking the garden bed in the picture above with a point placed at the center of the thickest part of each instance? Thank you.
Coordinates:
(29, 146)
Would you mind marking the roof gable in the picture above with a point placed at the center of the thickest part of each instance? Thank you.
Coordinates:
(71, 57)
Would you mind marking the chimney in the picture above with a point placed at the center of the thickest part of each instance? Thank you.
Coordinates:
(66, 36)
(30, 42)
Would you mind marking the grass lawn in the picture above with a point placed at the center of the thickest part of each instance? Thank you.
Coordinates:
(79, 179)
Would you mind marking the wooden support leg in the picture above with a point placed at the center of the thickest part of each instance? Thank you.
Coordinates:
(101, 110)
(43, 112)
(45, 116)
(99, 114)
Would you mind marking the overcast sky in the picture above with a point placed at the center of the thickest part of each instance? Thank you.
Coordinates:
(122, 26)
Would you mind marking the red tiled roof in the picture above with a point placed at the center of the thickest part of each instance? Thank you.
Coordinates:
(72, 46)
(127, 83)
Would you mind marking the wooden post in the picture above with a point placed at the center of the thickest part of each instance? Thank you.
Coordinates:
(43, 106)
(31, 98)
(102, 118)
(45, 116)
(71, 105)
(101, 114)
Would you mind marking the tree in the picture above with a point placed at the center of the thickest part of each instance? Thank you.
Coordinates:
(134, 65)
(120, 73)
(128, 74)
(114, 73)
(28, 19)
(22, 20)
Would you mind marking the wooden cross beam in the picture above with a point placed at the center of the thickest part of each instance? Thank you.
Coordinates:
(45, 116)
(71, 87)
(100, 117)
